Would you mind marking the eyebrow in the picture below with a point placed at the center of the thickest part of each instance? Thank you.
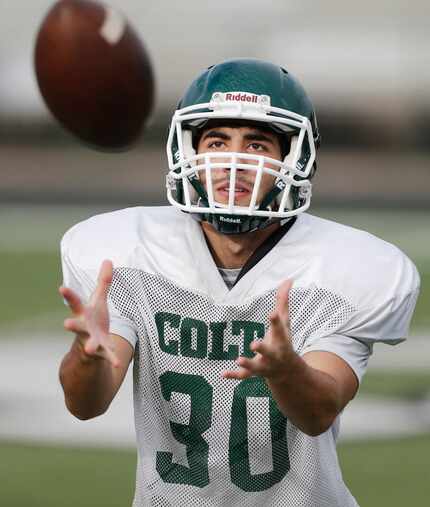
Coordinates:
(216, 133)
(258, 137)
(249, 137)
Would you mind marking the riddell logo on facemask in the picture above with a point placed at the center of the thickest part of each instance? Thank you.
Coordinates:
(230, 220)
(241, 97)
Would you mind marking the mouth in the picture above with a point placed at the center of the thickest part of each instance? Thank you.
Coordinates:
(240, 189)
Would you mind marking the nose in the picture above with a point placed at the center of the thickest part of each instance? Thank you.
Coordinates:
(238, 146)
(239, 160)
(242, 160)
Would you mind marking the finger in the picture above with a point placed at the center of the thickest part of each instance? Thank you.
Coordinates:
(263, 348)
(104, 280)
(282, 299)
(75, 325)
(240, 374)
(256, 365)
(72, 299)
(279, 329)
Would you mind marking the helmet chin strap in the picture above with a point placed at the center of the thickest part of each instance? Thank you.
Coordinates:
(236, 224)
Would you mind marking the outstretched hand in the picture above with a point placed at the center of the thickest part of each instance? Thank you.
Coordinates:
(91, 321)
(275, 350)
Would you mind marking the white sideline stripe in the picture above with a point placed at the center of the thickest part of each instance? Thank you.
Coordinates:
(32, 404)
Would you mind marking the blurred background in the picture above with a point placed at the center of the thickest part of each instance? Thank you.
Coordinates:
(365, 66)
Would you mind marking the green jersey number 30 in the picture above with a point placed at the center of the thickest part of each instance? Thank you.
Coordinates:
(197, 448)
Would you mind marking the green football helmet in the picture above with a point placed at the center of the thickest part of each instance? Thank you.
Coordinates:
(243, 92)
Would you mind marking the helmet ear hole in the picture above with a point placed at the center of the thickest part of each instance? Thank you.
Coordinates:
(285, 144)
(196, 134)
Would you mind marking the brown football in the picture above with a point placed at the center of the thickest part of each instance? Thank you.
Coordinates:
(94, 73)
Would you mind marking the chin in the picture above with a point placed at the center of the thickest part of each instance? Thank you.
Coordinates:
(238, 201)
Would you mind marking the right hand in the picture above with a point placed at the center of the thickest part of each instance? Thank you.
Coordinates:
(91, 322)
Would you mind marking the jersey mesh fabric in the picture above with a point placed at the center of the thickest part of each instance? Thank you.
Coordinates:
(207, 441)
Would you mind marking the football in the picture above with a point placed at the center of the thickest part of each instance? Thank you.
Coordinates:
(94, 73)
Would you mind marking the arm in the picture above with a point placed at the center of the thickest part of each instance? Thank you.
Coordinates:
(315, 391)
(90, 383)
(309, 390)
(94, 368)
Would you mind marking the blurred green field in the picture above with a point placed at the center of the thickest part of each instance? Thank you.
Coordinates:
(61, 477)
(32, 278)
(389, 473)
(412, 385)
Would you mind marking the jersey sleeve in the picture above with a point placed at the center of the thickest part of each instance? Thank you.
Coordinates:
(81, 277)
(75, 277)
(354, 352)
(380, 304)
(386, 314)
(122, 311)
(121, 326)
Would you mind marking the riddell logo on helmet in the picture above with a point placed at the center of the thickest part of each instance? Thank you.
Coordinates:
(241, 97)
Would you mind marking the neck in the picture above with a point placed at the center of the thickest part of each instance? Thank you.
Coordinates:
(233, 250)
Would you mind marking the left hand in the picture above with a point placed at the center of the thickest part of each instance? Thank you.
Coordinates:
(275, 351)
(90, 322)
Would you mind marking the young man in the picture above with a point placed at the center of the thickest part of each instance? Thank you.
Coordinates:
(250, 322)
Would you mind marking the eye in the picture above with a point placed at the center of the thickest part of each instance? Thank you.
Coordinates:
(257, 147)
(216, 145)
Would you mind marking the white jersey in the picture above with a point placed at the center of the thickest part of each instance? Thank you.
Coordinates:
(208, 441)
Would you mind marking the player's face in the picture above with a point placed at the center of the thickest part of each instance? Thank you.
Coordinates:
(250, 140)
